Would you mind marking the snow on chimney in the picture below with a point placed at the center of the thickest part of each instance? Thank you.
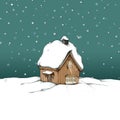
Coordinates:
(65, 40)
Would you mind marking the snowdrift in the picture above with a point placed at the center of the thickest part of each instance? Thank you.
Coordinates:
(31, 99)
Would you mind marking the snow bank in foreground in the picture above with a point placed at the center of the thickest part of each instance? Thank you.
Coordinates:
(30, 99)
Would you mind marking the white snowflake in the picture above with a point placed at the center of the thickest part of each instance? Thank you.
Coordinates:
(36, 28)
(87, 42)
(27, 50)
(79, 36)
(97, 10)
(11, 52)
(111, 57)
(24, 59)
(98, 43)
(36, 41)
(6, 3)
(18, 5)
(28, 66)
(22, 29)
(37, 36)
(114, 23)
(81, 2)
(54, 33)
(28, 36)
(21, 44)
(115, 4)
(104, 8)
(30, 60)
(26, 7)
(96, 25)
(54, 10)
(112, 67)
(83, 24)
(45, 22)
(33, 15)
(41, 5)
(9, 43)
(32, 22)
(8, 64)
(5, 33)
(6, 11)
(95, 18)
(18, 53)
(8, 23)
(103, 64)
(62, 7)
(108, 4)
(63, 24)
(96, 4)
(88, 12)
(87, 30)
(72, 10)
(11, 4)
(14, 37)
(44, 0)
(0, 43)
(23, 11)
(33, 49)
(69, 19)
(82, 17)
(61, 16)
(20, 20)
(97, 36)
(116, 36)
(104, 18)
(25, 74)
(111, 46)
(13, 9)
(53, 17)
(45, 33)
(11, 58)
(16, 14)
(83, 73)
(83, 51)
(67, 4)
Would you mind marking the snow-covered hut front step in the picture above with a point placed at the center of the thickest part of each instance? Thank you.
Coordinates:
(60, 61)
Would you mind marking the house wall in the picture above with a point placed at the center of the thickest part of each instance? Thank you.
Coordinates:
(65, 71)
(60, 75)
(54, 76)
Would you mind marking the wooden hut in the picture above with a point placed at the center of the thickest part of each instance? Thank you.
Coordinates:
(60, 63)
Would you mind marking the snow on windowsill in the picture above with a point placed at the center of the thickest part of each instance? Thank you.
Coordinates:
(47, 72)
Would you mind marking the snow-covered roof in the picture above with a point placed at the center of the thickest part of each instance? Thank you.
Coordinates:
(54, 54)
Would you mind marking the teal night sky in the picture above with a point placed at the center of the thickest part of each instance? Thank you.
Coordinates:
(93, 26)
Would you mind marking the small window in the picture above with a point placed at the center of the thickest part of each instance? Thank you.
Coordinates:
(70, 64)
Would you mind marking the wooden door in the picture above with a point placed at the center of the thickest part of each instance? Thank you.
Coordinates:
(71, 79)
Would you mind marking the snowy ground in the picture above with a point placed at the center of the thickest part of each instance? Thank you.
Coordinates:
(30, 99)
